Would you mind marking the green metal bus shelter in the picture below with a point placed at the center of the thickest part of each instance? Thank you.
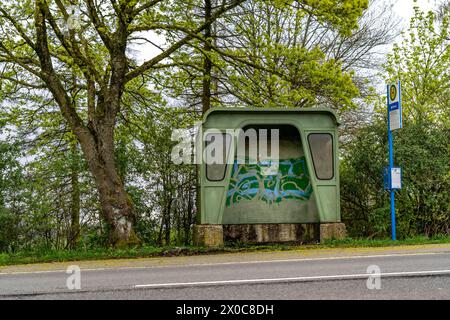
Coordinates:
(294, 198)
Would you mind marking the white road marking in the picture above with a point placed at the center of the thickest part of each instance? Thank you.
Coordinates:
(315, 259)
(296, 279)
(233, 262)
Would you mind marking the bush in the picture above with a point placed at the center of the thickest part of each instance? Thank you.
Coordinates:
(422, 150)
(8, 231)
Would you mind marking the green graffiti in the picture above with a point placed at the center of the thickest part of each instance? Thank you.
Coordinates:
(269, 181)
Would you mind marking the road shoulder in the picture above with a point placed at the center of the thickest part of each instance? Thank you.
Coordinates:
(228, 258)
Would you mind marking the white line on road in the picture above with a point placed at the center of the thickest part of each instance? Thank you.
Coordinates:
(316, 259)
(293, 279)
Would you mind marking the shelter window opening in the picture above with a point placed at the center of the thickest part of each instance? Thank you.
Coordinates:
(321, 146)
(217, 148)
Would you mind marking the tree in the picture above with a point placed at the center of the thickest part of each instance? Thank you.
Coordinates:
(11, 192)
(422, 63)
(290, 60)
(268, 55)
(38, 53)
(423, 152)
(422, 146)
(168, 187)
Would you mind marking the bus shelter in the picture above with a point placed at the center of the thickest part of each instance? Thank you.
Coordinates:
(268, 175)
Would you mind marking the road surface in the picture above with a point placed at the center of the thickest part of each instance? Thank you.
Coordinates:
(421, 272)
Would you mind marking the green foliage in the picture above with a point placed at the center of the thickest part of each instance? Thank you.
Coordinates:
(8, 230)
(274, 54)
(423, 152)
(421, 148)
(422, 62)
(11, 182)
(384, 242)
(165, 196)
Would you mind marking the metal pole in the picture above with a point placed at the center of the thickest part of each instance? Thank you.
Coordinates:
(391, 164)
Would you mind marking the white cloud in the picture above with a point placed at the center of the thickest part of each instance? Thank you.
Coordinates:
(405, 8)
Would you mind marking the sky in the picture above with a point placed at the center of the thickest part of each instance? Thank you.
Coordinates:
(404, 8)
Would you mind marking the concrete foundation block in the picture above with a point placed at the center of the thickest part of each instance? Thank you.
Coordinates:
(271, 233)
(329, 231)
(208, 235)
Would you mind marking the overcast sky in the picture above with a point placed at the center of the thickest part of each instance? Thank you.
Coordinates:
(404, 8)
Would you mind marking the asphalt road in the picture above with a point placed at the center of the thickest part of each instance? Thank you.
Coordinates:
(423, 274)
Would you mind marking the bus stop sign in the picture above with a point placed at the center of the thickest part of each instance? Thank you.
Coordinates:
(394, 106)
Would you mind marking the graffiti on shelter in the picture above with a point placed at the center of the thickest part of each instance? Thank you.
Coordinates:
(251, 182)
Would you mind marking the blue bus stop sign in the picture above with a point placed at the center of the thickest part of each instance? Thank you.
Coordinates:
(394, 106)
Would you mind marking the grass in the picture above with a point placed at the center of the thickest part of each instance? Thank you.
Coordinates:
(351, 243)
(41, 256)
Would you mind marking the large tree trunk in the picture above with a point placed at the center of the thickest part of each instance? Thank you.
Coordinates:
(74, 233)
(188, 221)
(116, 206)
(207, 64)
(117, 209)
(167, 222)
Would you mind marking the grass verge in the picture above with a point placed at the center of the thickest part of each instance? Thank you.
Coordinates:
(42, 256)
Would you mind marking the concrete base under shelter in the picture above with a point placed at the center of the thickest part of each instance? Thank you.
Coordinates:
(215, 235)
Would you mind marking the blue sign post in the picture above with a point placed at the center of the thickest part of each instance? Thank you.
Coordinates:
(392, 176)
